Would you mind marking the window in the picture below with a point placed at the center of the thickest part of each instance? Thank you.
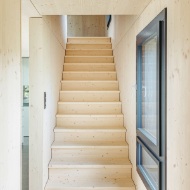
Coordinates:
(151, 103)
(108, 21)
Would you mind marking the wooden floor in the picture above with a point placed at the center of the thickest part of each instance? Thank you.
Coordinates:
(89, 151)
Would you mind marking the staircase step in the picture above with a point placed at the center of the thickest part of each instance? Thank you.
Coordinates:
(89, 107)
(73, 133)
(90, 144)
(111, 184)
(89, 59)
(88, 129)
(89, 46)
(89, 150)
(69, 175)
(90, 167)
(89, 40)
(89, 135)
(84, 162)
(90, 85)
(89, 96)
(87, 52)
(90, 120)
(68, 75)
(89, 67)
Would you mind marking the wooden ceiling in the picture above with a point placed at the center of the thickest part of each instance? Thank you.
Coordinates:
(28, 9)
(90, 7)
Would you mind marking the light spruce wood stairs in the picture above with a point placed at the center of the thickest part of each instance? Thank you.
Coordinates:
(89, 151)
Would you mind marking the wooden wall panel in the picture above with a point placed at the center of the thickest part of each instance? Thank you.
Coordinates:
(86, 26)
(178, 88)
(28, 10)
(36, 104)
(118, 27)
(46, 66)
(10, 95)
(58, 25)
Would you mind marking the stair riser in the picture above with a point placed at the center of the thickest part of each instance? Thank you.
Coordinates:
(90, 59)
(89, 46)
(89, 76)
(89, 67)
(89, 40)
(96, 152)
(89, 52)
(86, 85)
(90, 188)
(90, 136)
(93, 121)
(75, 175)
(89, 96)
(89, 108)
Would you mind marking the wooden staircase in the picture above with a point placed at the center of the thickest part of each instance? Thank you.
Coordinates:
(89, 151)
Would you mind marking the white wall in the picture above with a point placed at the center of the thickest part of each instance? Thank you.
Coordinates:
(123, 30)
(25, 36)
(47, 44)
(10, 95)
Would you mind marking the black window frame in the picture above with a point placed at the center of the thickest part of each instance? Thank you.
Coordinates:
(143, 174)
(158, 150)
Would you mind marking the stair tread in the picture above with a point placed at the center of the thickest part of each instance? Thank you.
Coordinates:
(89, 40)
(89, 81)
(89, 115)
(90, 37)
(89, 72)
(91, 91)
(89, 49)
(89, 102)
(89, 43)
(89, 59)
(86, 128)
(98, 56)
(95, 183)
(89, 63)
(90, 144)
(84, 45)
(92, 162)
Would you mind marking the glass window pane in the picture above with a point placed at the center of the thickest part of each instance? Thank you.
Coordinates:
(150, 89)
(151, 168)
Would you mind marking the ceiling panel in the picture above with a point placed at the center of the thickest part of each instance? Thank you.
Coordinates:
(90, 7)
(28, 9)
